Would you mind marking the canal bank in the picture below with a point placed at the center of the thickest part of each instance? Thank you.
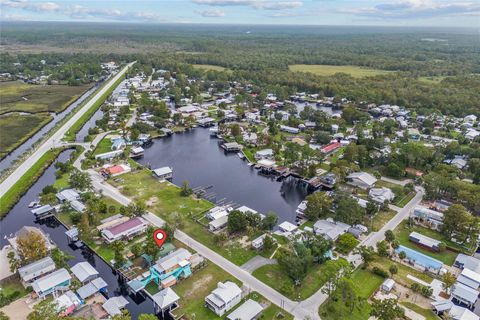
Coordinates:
(20, 216)
(197, 157)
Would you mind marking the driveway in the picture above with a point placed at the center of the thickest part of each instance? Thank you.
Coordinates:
(257, 262)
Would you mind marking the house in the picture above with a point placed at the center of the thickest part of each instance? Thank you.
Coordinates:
(43, 211)
(302, 206)
(362, 180)
(331, 147)
(114, 305)
(84, 271)
(469, 262)
(165, 300)
(163, 173)
(460, 313)
(472, 134)
(232, 146)
(458, 162)
(172, 266)
(109, 155)
(250, 138)
(26, 232)
(118, 144)
(258, 242)
(127, 229)
(218, 224)
(68, 195)
(289, 129)
(469, 278)
(112, 221)
(36, 269)
(217, 212)
(287, 227)
(330, 229)
(432, 218)
(113, 171)
(381, 195)
(223, 298)
(67, 303)
(249, 310)
(264, 154)
(93, 287)
(424, 241)
(464, 294)
(52, 283)
(387, 285)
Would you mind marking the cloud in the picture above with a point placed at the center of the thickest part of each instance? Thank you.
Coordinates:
(215, 13)
(30, 6)
(415, 9)
(257, 4)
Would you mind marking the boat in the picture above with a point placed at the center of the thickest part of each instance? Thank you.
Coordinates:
(33, 204)
(213, 131)
(241, 155)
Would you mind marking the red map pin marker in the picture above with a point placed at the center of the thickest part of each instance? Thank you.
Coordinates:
(159, 236)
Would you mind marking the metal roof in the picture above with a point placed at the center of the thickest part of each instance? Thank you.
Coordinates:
(83, 271)
(247, 311)
(36, 268)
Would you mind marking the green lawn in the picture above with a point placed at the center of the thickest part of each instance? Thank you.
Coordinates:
(366, 283)
(402, 201)
(12, 289)
(403, 231)
(165, 201)
(16, 128)
(275, 277)
(105, 145)
(62, 182)
(209, 67)
(403, 271)
(380, 219)
(329, 70)
(428, 314)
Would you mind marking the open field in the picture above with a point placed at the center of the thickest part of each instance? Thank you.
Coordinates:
(209, 67)
(16, 128)
(366, 283)
(327, 70)
(275, 277)
(18, 96)
(428, 314)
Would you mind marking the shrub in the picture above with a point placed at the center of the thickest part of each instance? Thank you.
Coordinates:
(402, 255)
(380, 272)
(393, 269)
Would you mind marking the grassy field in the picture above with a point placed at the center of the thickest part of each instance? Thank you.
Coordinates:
(16, 128)
(275, 277)
(381, 218)
(403, 231)
(432, 80)
(23, 184)
(367, 283)
(328, 70)
(403, 271)
(428, 314)
(12, 290)
(209, 67)
(105, 145)
(18, 96)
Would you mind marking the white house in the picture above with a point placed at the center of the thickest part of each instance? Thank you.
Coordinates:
(464, 294)
(125, 229)
(52, 283)
(289, 129)
(223, 298)
(469, 278)
(264, 154)
(425, 215)
(84, 271)
(36, 269)
(381, 194)
(330, 229)
(163, 173)
(361, 179)
(472, 134)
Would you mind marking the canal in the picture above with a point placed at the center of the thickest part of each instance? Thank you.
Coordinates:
(20, 216)
(6, 162)
(195, 156)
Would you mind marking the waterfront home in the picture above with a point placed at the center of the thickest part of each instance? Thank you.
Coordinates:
(218, 224)
(289, 129)
(165, 300)
(93, 287)
(218, 212)
(109, 155)
(43, 211)
(264, 154)
(84, 271)
(118, 144)
(258, 242)
(223, 298)
(381, 195)
(330, 229)
(35, 270)
(68, 195)
(26, 232)
(67, 303)
(116, 170)
(431, 218)
(144, 138)
(464, 294)
(250, 138)
(112, 221)
(469, 278)
(173, 266)
(52, 283)
(249, 310)
(301, 208)
(361, 180)
(127, 229)
(206, 122)
(114, 305)
(458, 161)
(163, 173)
(424, 241)
(136, 152)
(287, 227)
(469, 262)
(331, 147)
(232, 146)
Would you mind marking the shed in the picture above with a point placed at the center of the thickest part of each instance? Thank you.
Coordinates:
(387, 285)
(84, 271)
(249, 310)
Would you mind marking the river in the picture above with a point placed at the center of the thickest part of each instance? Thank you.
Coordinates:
(195, 156)
(20, 216)
(6, 162)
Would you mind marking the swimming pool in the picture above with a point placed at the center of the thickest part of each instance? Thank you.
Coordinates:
(420, 258)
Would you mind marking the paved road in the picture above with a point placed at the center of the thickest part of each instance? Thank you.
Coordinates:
(402, 183)
(56, 137)
(257, 262)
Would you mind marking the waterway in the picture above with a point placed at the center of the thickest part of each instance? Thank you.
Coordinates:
(20, 216)
(6, 162)
(196, 157)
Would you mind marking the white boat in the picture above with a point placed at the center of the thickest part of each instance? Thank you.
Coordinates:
(213, 131)
(241, 155)
(33, 204)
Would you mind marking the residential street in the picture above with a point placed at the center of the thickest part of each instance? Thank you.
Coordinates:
(55, 139)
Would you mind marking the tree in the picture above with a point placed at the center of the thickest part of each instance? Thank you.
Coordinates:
(60, 258)
(80, 180)
(48, 198)
(237, 222)
(455, 220)
(318, 205)
(393, 269)
(346, 242)
(12, 261)
(125, 315)
(348, 210)
(367, 254)
(268, 243)
(49, 189)
(448, 280)
(45, 310)
(372, 208)
(186, 190)
(334, 272)
(295, 262)
(170, 232)
(150, 246)
(84, 228)
(3, 316)
(31, 247)
(346, 292)
(235, 130)
(387, 309)
(136, 209)
(383, 249)
(137, 249)
(402, 255)
(389, 236)
(118, 247)
(318, 246)
(269, 222)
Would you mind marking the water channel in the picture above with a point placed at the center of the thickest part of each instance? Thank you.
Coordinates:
(6, 162)
(195, 156)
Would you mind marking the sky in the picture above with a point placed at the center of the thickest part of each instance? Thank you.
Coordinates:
(444, 13)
